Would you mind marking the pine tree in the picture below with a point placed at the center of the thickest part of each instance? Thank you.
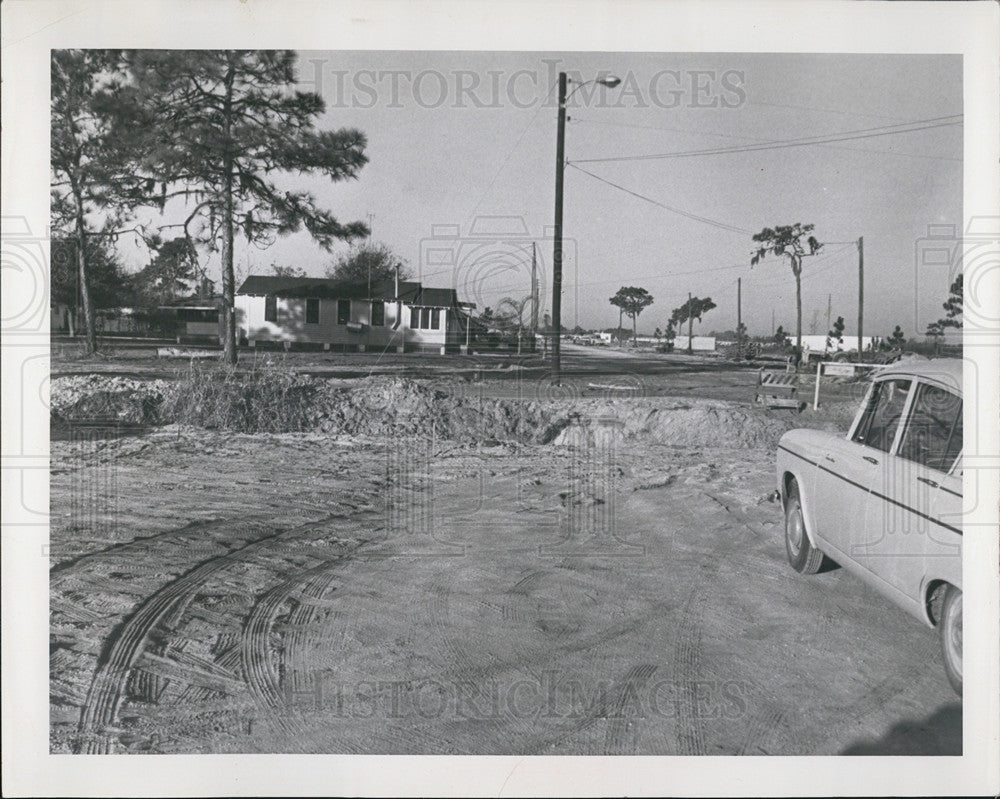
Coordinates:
(93, 157)
(631, 300)
(221, 125)
(795, 243)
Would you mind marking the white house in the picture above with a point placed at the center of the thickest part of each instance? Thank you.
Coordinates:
(403, 315)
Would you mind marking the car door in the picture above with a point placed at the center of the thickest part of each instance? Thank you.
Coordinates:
(945, 554)
(850, 467)
(911, 514)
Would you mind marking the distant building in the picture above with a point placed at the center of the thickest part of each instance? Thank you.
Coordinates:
(698, 344)
(342, 315)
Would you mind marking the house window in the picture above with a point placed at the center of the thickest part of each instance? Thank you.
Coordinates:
(415, 318)
(312, 311)
(378, 314)
(271, 308)
(435, 319)
(343, 312)
(425, 318)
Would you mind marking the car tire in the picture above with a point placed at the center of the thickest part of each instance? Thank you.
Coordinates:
(951, 636)
(802, 555)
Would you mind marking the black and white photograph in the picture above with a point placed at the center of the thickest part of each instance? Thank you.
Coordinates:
(548, 401)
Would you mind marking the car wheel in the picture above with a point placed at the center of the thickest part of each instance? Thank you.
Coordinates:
(951, 636)
(802, 555)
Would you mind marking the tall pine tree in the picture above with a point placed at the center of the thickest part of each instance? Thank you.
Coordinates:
(221, 126)
(93, 155)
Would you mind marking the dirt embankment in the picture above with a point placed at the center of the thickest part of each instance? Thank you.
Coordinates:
(379, 406)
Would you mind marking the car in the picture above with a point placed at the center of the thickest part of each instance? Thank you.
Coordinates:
(885, 501)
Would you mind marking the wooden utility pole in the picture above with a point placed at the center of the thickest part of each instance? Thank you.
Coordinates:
(534, 294)
(861, 298)
(690, 325)
(739, 306)
(557, 239)
(772, 323)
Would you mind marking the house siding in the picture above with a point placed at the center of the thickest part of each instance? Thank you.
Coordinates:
(292, 327)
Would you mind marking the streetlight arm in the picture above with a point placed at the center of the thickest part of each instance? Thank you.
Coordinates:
(611, 81)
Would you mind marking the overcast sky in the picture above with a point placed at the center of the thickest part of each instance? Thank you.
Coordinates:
(462, 167)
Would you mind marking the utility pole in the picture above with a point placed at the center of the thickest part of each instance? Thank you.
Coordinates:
(772, 323)
(690, 325)
(557, 243)
(534, 295)
(739, 307)
(368, 327)
(861, 297)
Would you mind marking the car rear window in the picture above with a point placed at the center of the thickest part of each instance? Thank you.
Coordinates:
(933, 435)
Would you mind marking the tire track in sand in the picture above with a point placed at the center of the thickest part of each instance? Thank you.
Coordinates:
(121, 650)
(259, 670)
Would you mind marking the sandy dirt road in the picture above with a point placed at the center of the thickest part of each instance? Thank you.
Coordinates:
(213, 592)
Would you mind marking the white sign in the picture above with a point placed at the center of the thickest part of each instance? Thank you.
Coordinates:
(839, 369)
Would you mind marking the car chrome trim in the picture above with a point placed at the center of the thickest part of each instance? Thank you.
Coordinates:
(875, 493)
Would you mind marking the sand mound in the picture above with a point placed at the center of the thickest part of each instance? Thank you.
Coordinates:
(398, 406)
(701, 424)
(393, 406)
(106, 398)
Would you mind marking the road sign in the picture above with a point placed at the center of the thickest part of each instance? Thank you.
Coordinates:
(838, 369)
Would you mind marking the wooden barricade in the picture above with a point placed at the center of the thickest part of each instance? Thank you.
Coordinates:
(778, 389)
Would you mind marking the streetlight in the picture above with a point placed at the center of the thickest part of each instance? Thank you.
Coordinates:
(557, 248)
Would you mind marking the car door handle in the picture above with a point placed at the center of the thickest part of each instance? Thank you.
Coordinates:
(929, 482)
(832, 460)
(870, 459)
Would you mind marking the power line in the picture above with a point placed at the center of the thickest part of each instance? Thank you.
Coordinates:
(810, 274)
(693, 131)
(840, 111)
(688, 214)
(701, 132)
(805, 141)
(700, 270)
(517, 142)
(654, 276)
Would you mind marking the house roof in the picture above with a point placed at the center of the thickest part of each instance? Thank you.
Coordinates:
(410, 291)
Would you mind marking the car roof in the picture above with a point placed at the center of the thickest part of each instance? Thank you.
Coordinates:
(946, 371)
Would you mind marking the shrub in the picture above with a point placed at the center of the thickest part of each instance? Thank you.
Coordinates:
(267, 399)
